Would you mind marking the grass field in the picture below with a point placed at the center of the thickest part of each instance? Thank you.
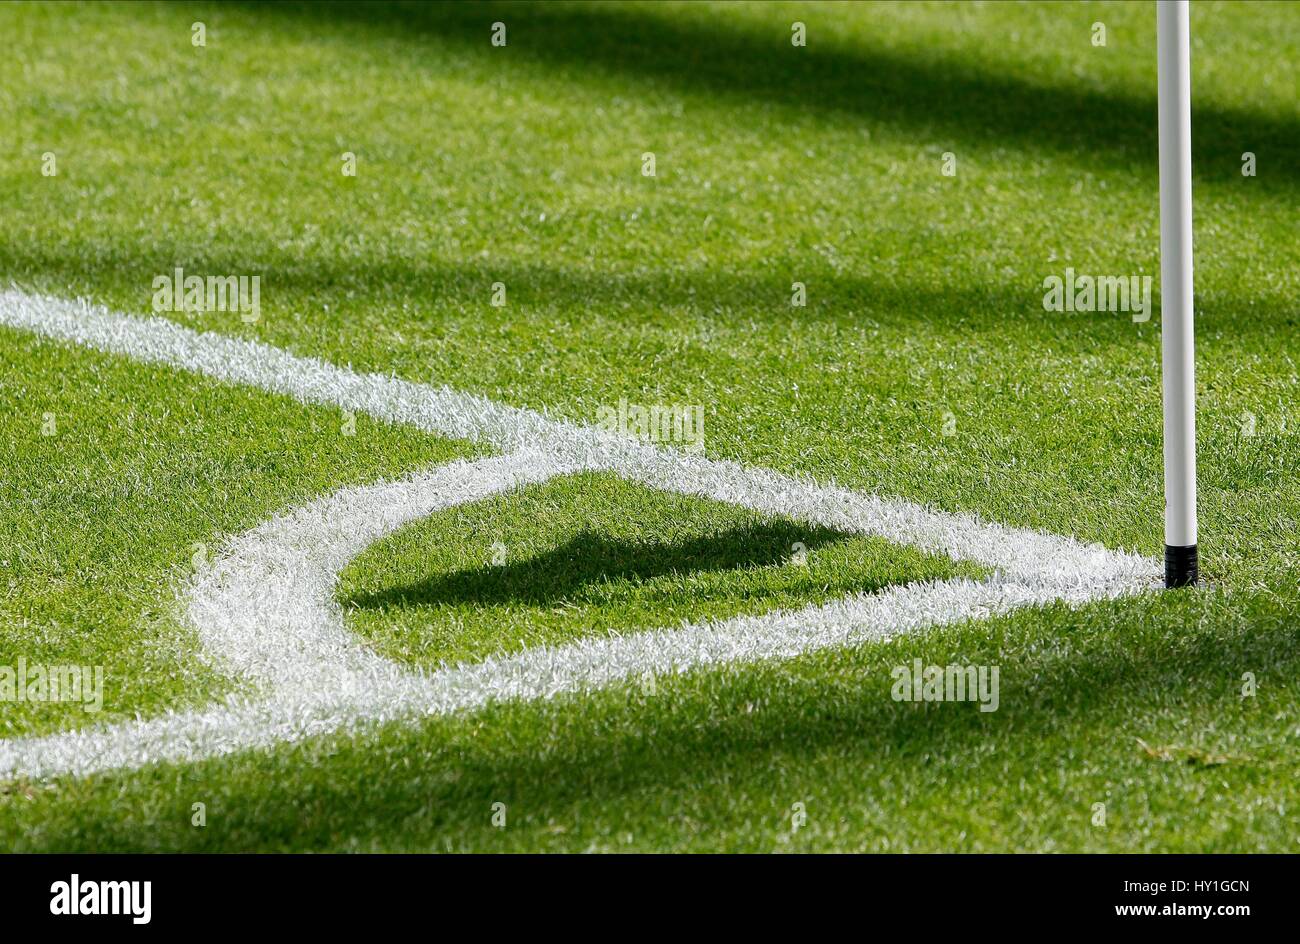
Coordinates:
(923, 367)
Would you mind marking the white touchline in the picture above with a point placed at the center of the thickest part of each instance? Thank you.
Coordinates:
(264, 607)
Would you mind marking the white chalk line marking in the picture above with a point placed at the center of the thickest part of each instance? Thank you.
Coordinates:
(264, 608)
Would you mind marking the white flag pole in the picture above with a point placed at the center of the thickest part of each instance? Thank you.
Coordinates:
(1175, 114)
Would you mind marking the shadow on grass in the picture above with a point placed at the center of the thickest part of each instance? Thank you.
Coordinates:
(592, 557)
(416, 291)
(924, 91)
(944, 101)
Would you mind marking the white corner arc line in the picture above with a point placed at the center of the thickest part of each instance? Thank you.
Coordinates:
(264, 608)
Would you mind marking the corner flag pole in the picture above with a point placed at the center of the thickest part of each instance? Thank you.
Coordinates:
(1178, 369)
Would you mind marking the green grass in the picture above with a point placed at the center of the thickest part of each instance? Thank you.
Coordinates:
(775, 164)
